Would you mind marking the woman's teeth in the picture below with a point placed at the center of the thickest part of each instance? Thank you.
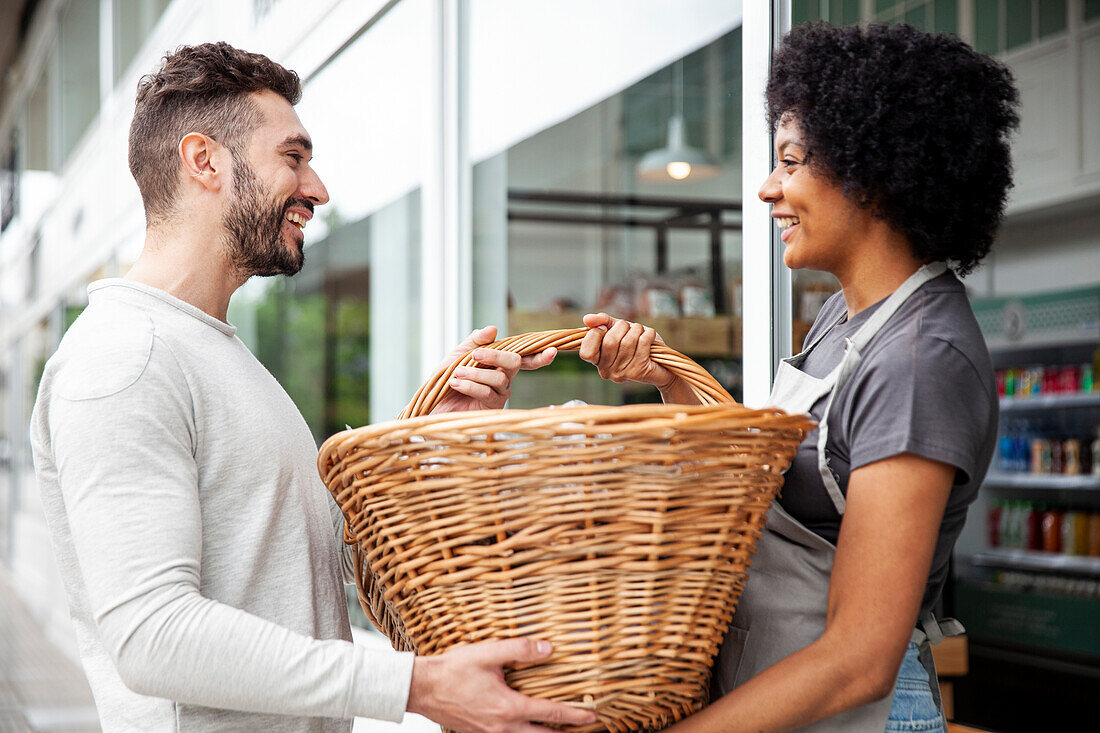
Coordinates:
(786, 221)
(296, 219)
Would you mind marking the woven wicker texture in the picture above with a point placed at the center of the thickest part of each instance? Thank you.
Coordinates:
(620, 534)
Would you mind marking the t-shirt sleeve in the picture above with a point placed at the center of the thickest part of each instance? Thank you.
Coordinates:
(126, 468)
(919, 396)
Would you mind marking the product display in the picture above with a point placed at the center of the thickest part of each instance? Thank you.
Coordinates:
(1028, 446)
(1022, 382)
(1030, 525)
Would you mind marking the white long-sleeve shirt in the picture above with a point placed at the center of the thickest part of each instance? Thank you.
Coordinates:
(198, 547)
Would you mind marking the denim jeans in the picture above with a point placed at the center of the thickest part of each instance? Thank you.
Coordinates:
(914, 707)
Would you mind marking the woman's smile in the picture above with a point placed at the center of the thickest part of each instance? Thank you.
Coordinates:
(787, 225)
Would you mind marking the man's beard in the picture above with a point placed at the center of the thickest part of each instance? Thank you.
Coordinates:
(253, 228)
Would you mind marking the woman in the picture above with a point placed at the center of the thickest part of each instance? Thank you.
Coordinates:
(893, 159)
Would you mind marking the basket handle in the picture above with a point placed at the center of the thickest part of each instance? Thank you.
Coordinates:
(702, 384)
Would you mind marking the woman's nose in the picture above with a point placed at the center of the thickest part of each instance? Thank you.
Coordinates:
(772, 190)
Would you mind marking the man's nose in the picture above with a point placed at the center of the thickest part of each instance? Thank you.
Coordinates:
(314, 190)
(772, 190)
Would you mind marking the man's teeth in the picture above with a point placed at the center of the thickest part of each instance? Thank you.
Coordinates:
(786, 221)
(296, 219)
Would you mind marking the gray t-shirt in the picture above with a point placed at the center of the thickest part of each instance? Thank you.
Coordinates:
(924, 386)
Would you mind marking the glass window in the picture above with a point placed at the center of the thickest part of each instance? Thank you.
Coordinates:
(1006, 25)
(343, 335)
(580, 203)
(79, 67)
(1017, 23)
(945, 16)
(987, 26)
(133, 23)
(36, 143)
(1051, 17)
(803, 11)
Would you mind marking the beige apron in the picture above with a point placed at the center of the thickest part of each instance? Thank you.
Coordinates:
(783, 606)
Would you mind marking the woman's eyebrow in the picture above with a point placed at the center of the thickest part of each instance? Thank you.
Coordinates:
(793, 142)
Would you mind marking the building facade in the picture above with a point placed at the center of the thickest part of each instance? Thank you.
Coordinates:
(487, 162)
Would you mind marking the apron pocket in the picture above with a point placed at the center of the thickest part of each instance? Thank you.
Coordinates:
(728, 662)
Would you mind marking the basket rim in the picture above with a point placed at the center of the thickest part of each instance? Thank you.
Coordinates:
(657, 417)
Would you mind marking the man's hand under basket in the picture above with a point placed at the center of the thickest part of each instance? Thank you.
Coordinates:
(486, 387)
(464, 690)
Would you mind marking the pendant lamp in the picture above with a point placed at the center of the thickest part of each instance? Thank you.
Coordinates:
(677, 161)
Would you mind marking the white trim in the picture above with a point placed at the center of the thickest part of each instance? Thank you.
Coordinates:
(446, 259)
(757, 230)
(782, 292)
(106, 52)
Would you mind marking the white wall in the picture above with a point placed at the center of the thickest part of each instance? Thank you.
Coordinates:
(1037, 255)
(1050, 239)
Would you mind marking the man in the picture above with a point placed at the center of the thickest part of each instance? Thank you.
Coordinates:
(198, 548)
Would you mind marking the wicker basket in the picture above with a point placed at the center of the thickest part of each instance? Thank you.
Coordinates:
(620, 534)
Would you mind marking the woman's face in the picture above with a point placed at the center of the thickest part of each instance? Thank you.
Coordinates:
(818, 223)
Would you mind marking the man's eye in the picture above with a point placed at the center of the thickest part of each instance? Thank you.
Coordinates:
(295, 157)
(788, 162)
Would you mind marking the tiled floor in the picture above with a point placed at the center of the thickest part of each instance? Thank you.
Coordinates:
(41, 689)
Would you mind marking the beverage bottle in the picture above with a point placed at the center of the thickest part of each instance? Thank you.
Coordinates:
(1023, 445)
(1052, 380)
(1095, 454)
(1010, 382)
(1024, 382)
(1034, 539)
(993, 522)
(1074, 529)
(1094, 534)
(1072, 457)
(1057, 464)
(1006, 445)
(1036, 464)
(1019, 526)
(1088, 378)
(1052, 530)
(1006, 517)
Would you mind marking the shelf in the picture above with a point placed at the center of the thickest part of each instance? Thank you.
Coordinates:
(1050, 402)
(1044, 562)
(1004, 480)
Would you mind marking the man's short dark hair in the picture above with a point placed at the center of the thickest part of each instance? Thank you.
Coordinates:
(913, 125)
(204, 89)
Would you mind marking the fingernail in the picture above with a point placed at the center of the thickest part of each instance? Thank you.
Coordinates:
(460, 372)
(544, 647)
(456, 382)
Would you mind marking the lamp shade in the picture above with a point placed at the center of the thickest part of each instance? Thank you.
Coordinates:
(676, 161)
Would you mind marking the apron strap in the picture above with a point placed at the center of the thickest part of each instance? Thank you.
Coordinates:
(879, 318)
(851, 359)
(797, 359)
(935, 631)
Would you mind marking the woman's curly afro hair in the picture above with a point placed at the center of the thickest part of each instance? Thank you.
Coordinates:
(911, 124)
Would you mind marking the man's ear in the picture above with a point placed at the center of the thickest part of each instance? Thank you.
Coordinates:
(200, 158)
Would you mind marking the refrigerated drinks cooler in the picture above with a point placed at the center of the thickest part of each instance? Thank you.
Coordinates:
(1027, 568)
